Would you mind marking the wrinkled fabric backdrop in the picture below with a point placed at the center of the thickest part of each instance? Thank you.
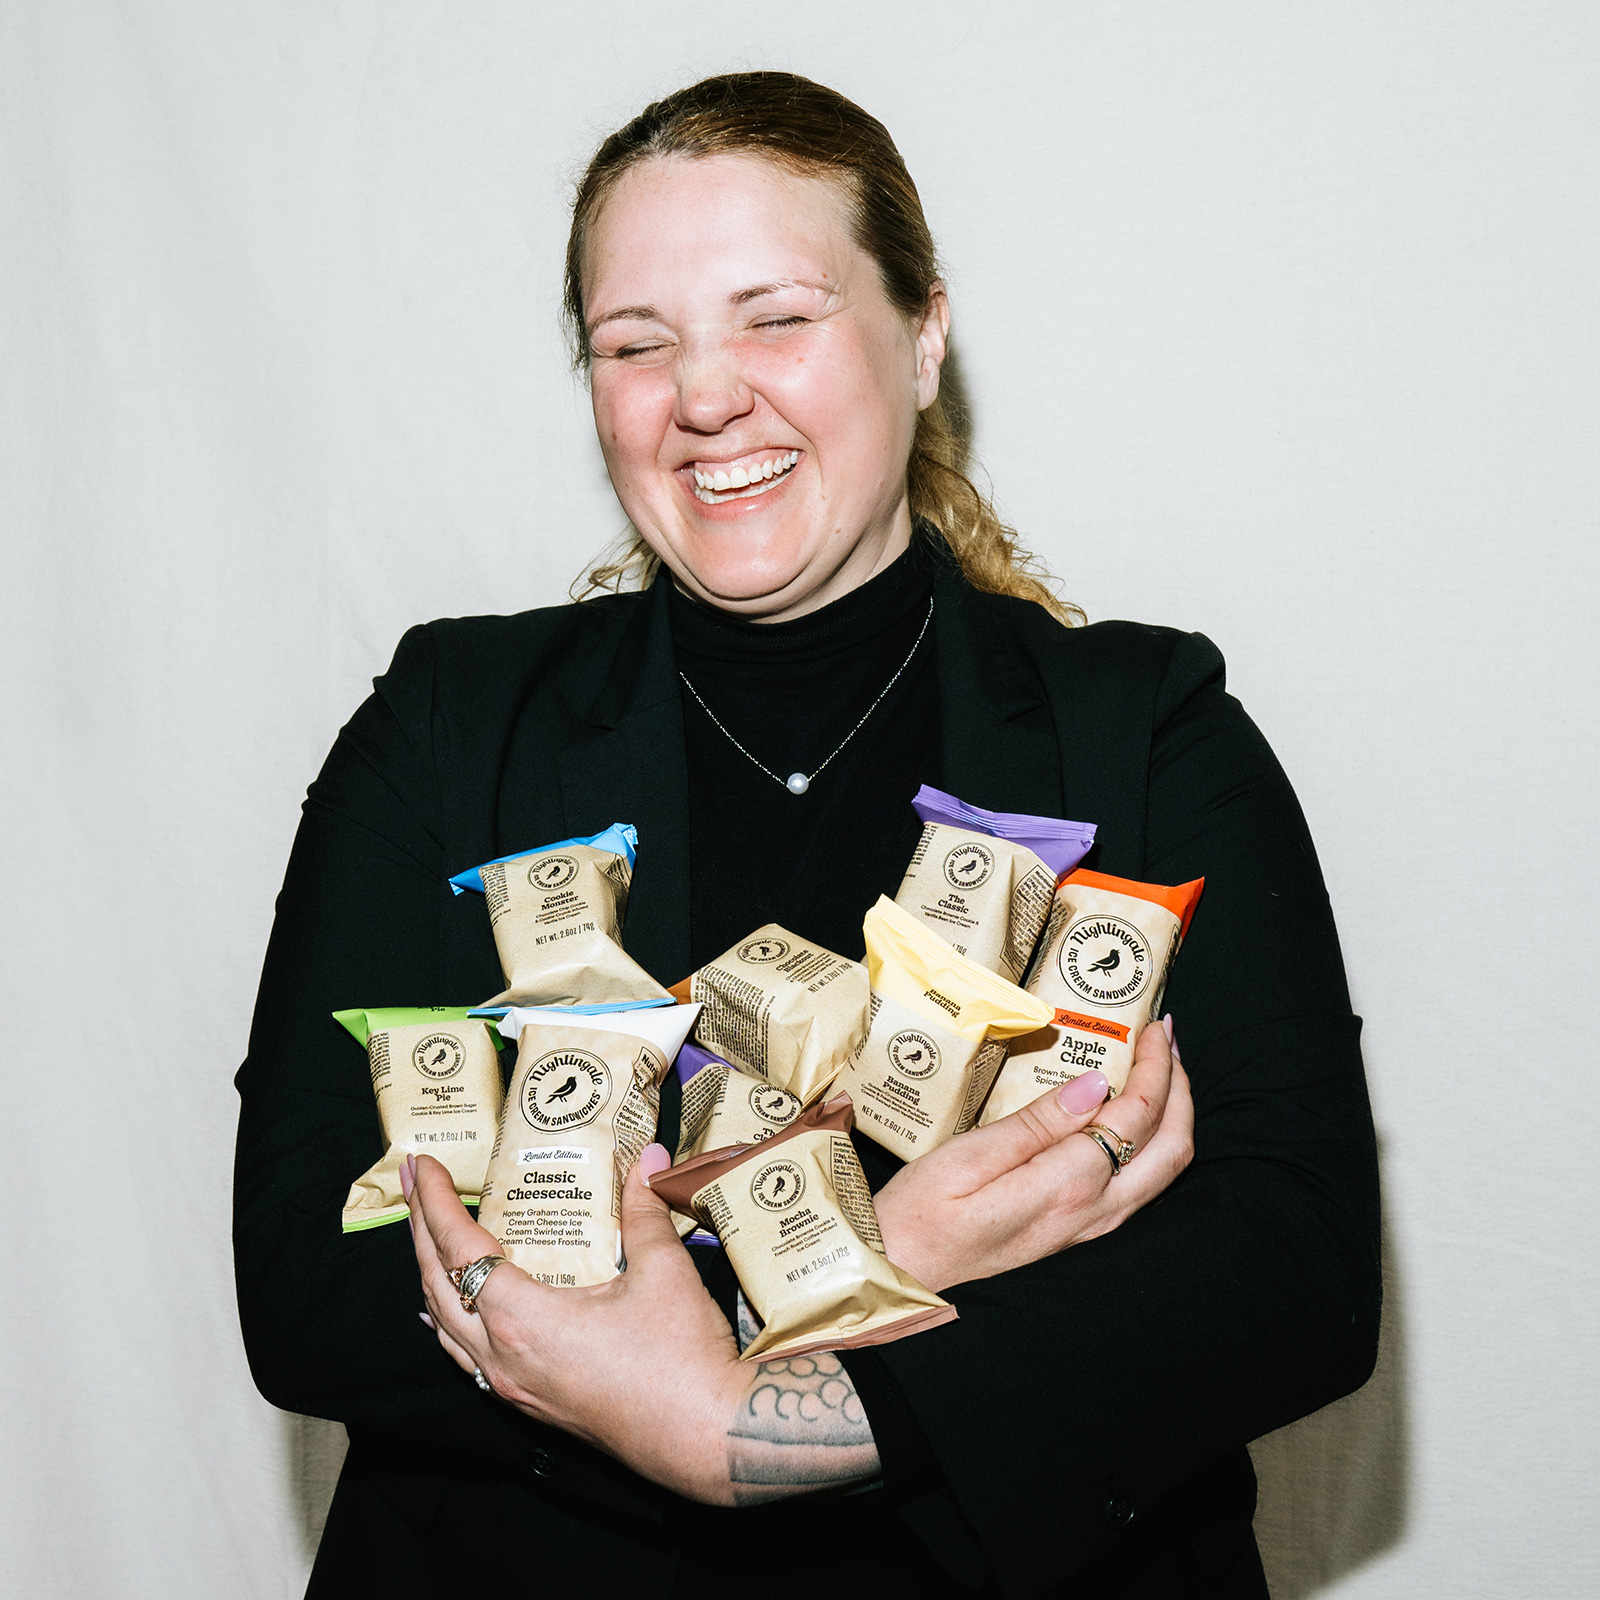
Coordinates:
(1275, 322)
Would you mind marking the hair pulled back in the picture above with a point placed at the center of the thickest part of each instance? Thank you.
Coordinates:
(814, 131)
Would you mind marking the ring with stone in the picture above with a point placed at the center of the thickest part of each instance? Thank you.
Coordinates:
(470, 1279)
(1119, 1151)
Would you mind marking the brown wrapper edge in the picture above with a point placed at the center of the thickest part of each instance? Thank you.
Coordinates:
(679, 1184)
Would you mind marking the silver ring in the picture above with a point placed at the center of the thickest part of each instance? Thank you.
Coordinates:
(470, 1279)
(481, 1381)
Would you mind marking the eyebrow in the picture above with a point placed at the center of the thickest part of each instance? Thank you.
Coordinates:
(739, 297)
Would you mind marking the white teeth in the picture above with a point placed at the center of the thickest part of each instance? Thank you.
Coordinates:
(746, 480)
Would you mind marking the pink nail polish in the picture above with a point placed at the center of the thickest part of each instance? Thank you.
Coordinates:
(1084, 1093)
(653, 1159)
(427, 1321)
(405, 1180)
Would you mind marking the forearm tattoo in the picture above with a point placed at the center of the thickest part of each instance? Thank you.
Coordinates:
(799, 1429)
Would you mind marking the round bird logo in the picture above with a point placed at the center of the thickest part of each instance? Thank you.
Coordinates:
(565, 1089)
(1105, 960)
(913, 1054)
(552, 872)
(968, 866)
(762, 951)
(778, 1185)
(440, 1055)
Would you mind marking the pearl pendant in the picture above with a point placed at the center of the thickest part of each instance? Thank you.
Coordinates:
(797, 783)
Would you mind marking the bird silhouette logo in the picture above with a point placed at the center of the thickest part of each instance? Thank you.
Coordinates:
(913, 1054)
(773, 1104)
(1105, 959)
(778, 1185)
(440, 1055)
(565, 1089)
(763, 950)
(968, 866)
(552, 872)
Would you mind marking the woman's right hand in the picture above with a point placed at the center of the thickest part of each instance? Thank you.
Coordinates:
(1032, 1183)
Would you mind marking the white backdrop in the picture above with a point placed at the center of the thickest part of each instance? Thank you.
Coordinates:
(1278, 322)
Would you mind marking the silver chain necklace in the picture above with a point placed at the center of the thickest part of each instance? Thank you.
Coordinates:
(799, 782)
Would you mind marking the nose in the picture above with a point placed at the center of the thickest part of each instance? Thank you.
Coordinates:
(712, 392)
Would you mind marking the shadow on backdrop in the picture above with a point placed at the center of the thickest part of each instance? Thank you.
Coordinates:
(314, 1452)
(1334, 1486)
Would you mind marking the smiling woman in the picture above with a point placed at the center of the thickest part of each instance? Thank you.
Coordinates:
(814, 588)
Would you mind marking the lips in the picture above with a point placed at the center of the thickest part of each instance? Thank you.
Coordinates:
(743, 478)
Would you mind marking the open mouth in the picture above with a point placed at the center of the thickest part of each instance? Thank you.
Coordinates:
(717, 482)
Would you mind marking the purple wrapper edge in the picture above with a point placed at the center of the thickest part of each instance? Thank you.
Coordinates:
(692, 1059)
(1060, 844)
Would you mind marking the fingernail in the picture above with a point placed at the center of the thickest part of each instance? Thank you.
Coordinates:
(1084, 1093)
(427, 1321)
(1166, 1028)
(405, 1180)
(653, 1160)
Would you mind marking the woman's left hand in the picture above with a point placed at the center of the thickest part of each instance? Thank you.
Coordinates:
(644, 1367)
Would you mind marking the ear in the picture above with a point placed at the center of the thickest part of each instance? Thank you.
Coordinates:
(932, 333)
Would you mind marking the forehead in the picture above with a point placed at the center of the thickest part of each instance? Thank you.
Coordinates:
(713, 225)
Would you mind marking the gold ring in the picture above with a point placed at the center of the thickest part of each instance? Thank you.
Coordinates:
(1119, 1151)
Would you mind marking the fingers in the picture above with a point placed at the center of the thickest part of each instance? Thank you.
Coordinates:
(646, 1218)
(445, 1236)
(989, 1153)
(1136, 1113)
(1153, 1169)
(455, 1233)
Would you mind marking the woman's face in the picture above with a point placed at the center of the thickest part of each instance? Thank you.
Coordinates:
(754, 390)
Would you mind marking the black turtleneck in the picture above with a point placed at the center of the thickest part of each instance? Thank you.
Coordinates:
(789, 692)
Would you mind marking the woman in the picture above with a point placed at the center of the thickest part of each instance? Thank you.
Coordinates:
(830, 617)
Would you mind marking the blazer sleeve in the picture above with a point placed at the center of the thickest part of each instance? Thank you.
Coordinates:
(330, 1320)
(1249, 1295)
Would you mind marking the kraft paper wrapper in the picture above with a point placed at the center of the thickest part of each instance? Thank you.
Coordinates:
(936, 1040)
(723, 1106)
(557, 917)
(437, 1084)
(988, 897)
(782, 1009)
(796, 1218)
(581, 1107)
(1103, 967)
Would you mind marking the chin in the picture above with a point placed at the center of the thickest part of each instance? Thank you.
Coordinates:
(740, 566)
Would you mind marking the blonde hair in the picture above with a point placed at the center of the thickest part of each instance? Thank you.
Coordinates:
(814, 131)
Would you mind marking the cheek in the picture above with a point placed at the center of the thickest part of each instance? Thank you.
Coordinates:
(631, 411)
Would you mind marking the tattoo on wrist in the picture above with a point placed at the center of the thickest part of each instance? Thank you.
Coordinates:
(799, 1429)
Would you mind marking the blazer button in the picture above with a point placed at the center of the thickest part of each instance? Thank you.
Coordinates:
(1119, 1509)
(541, 1463)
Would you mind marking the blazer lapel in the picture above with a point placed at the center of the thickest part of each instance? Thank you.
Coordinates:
(998, 741)
(631, 768)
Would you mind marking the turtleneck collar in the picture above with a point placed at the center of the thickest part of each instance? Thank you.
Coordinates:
(877, 606)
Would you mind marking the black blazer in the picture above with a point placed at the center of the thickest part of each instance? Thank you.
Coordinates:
(1086, 1412)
